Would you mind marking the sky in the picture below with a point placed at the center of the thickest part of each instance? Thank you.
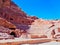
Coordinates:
(45, 9)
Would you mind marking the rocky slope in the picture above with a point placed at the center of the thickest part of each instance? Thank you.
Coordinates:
(17, 23)
(5, 23)
(13, 18)
(49, 28)
(12, 13)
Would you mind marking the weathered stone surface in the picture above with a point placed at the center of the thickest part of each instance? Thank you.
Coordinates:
(4, 30)
(33, 17)
(4, 3)
(12, 13)
(11, 16)
(44, 27)
(17, 32)
(6, 24)
(58, 29)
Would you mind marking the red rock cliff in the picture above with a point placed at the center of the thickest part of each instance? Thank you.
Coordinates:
(11, 12)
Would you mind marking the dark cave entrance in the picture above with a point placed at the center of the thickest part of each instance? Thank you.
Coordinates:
(13, 33)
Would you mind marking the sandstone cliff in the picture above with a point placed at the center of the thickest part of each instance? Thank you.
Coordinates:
(6, 24)
(12, 13)
(12, 17)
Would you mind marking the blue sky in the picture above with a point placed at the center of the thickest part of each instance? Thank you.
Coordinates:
(46, 9)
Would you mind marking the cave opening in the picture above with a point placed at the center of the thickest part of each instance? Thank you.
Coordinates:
(13, 34)
(11, 18)
(3, 0)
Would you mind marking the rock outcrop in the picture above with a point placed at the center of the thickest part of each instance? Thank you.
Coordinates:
(12, 13)
(6, 24)
(14, 20)
(45, 27)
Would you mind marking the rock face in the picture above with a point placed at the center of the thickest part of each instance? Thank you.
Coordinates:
(5, 3)
(12, 17)
(12, 13)
(39, 27)
(45, 27)
(6, 24)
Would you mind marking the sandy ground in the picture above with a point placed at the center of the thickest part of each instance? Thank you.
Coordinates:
(21, 41)
(48, 43)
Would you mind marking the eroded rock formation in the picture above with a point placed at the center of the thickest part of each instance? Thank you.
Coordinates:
(6, 24)
(12, 13)
(17, 23)
(12, 17)
(45, 27)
